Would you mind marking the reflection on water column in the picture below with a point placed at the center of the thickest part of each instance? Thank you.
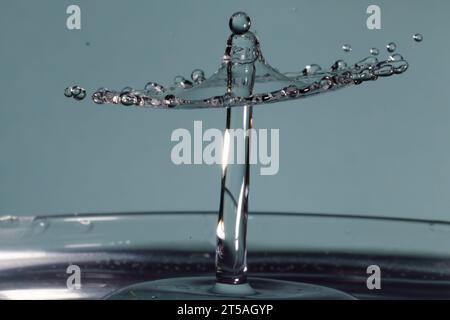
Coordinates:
(231, 253)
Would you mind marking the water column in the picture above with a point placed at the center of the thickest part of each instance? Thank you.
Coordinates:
(231, 253)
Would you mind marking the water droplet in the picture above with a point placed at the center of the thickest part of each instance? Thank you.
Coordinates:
(240, 23)
(154, 87)
(198, 76)
(169, 100)
(128, 99)
(291, 91)
(127, 89)
(347, 48)
(326, 83)
(76, 92)
(68, 92)
(418, 37)
(374, 51)
(396, 57)
(391, 47)
(311, 69)
(339, 65)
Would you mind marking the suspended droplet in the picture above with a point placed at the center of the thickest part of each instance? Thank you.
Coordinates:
(97, 97)
(80, 95)
(418, 37)
(311, 69)
(391, 47)
(339, 65)
(76, 92)
(198, 76)
(240, 23)
(374, 51)
(68, 92)
(347, 47)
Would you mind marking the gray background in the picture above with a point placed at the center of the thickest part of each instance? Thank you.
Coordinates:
(376, 149)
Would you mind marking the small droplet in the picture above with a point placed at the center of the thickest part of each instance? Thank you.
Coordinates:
(169, 100)
(198, 76)
(68, 92)
(311, 69)
(154, 87)
(240, 23)
(81, 95)
(347, 47)
(374, 51)
(391, 47)
(339, 65)
(418, 37)
(128, 99)
(76, 92)
(396, 57)
(325, 83)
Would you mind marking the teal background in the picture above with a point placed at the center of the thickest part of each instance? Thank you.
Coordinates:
(376, 149)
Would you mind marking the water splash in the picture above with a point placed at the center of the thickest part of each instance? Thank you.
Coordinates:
(270, 85)
(244, 79)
